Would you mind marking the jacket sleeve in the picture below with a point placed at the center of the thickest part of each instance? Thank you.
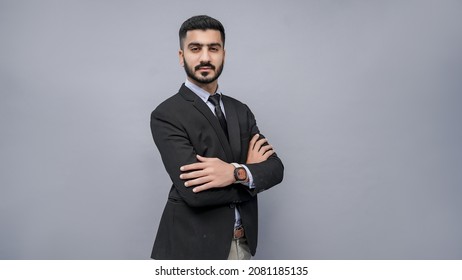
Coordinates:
(268, 173)
(176, 150)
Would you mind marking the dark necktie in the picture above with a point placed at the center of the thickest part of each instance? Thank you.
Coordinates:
(215, 100)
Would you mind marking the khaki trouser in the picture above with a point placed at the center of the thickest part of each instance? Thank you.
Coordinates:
(239, 250)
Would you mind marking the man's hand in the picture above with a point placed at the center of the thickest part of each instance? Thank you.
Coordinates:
(257, 152)
(207, 173)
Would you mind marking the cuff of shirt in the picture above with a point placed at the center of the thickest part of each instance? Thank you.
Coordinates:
(250, 183)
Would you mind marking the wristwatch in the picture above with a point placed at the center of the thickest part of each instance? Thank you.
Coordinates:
(240, 174)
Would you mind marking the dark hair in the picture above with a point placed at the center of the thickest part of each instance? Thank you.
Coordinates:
(201, 22)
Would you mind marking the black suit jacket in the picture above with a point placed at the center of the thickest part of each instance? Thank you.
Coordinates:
(200, 225)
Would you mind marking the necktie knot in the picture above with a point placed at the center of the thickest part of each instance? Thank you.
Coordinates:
(215, 99)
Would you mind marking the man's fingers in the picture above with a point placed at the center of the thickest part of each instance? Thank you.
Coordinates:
(259, 144)
(268, 154)
(197, 181)
(201, 158)
(253, 140)
(203, 187)
(265, 149)
(192, 166)
(196, 165)
(192, 175)
(205, 159)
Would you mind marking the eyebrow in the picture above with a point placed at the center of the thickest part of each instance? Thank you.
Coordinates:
(201, 45)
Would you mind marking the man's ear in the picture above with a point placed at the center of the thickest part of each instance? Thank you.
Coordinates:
(181, 57)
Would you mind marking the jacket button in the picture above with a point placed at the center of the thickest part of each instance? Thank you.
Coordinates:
(232, 205)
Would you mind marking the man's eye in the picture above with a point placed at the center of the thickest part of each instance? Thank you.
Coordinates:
(195, 49)
(214, 49)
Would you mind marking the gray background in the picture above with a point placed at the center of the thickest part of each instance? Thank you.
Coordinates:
(360, 98)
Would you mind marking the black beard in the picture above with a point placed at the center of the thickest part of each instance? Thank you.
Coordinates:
(203, 80)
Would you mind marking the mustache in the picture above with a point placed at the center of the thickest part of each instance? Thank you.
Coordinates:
(206, 64)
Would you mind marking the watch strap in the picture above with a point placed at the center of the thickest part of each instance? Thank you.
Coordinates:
(236, 165)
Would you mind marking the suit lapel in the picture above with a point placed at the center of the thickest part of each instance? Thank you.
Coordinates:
(233, 127)
(205, 110)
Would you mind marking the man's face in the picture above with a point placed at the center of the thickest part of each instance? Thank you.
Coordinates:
(202, 55)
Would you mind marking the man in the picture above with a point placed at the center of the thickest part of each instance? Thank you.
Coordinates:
(216, 158)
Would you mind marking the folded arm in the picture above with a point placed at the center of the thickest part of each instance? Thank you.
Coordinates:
(262, 162)
(214, 173)
(176, 150)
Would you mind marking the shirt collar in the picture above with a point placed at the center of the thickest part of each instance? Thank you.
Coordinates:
(204, 95)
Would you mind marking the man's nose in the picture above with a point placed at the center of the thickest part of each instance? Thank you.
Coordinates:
(205, 56)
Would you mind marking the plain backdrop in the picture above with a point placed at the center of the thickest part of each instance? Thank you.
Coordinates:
(361, 100)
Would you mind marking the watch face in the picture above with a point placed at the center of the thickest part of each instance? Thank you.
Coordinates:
(241, 174)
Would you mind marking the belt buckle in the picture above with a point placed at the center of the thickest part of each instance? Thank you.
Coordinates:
(238, 232)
